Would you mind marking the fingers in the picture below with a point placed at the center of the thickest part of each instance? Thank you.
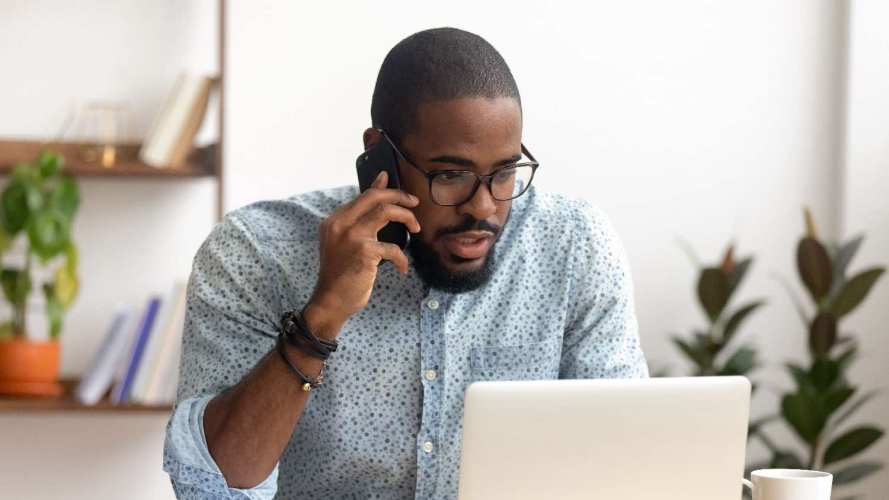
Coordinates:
(381, 181)
(378, 194)
(381, 215)
(391, 252)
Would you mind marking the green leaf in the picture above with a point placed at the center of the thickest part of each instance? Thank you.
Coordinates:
(5, 240)
(847, 357)
(49, 232)
(822, 334)
(735, 320)
(50, 164)
(72, 257)
(704, 342)
(855, 472)
(54, 311)
(851, 443)
(737, 275)
(65, 197)
(852, 408)
(14, 205)
(16, 285)
(713, 291)
(699, 357)
(66, 286)
(855, 291)
(824, 373)
(801, 411)
(814, 267)
(801, 377)
(740, 362)
(837, 398)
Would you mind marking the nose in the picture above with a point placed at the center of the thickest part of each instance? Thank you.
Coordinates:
(482, 204)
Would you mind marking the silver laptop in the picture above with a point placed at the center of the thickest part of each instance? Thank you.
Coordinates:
(646, 439)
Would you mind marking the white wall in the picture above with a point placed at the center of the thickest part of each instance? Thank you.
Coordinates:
(695, 119)
(866, 208)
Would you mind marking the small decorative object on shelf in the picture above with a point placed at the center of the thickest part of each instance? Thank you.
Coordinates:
(37, 208)
(101, 126)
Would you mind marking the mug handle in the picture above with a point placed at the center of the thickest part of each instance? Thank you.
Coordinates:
(747, 484)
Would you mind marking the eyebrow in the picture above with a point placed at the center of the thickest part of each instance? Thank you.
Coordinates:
(465, 162)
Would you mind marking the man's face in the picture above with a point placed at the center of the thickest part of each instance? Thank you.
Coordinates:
(454, 251)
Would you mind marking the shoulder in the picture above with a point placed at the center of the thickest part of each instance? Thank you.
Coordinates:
(293, 218)
(547, 218)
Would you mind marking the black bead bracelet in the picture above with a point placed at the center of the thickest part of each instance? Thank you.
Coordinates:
(307, 383)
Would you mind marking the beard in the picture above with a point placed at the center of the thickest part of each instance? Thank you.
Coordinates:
(434, 273)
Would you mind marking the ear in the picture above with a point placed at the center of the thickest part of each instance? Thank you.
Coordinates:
(371, 137)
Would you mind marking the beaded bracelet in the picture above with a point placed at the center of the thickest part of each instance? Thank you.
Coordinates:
(307, 382)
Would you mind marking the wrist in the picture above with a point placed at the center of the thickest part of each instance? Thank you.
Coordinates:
(323, 321)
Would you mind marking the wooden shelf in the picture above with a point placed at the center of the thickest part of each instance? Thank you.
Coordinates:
(200, 163)
(67, 403)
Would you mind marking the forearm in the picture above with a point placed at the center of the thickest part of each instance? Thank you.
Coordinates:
(248, 426)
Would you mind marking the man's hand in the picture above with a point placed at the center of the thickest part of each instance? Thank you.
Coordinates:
(351, 253)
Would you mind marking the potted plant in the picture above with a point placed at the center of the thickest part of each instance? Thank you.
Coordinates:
(707, 348)
(37, 208)
(824, 399)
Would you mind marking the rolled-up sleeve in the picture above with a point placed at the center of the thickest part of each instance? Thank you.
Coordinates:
(230, 323)
(192, 470)
(602, 334)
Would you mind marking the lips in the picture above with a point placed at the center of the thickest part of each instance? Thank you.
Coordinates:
(469, 245)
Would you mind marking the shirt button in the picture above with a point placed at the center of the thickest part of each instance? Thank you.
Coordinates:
(431, 375)
(427, 447)
(432, 304)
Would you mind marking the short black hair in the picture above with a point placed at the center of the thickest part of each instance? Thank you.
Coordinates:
(436, 65)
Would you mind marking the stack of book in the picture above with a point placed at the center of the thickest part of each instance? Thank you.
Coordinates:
(171, 136)
(138, 360)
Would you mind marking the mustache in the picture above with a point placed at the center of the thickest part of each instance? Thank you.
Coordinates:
(469, 223)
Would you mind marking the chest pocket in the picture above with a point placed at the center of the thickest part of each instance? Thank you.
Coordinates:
(537, 361)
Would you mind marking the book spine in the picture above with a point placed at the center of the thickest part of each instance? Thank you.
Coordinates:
(144, 331)
(97, 379)
(172, 334)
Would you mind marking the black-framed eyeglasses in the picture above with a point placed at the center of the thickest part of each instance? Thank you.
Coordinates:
(450, 188)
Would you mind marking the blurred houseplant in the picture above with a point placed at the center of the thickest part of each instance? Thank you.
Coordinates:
(708, 349)
(37, 208)
(824, 398)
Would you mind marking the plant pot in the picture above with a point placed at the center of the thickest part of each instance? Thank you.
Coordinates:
(29, 367)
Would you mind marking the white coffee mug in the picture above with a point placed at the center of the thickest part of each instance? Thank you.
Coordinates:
(789, 484)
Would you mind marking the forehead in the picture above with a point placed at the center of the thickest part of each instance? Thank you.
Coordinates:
(478, 128)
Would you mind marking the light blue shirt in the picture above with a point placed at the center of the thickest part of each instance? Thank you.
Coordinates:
(386, 423)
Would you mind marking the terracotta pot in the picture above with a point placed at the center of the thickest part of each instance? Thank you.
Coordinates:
(29, 367)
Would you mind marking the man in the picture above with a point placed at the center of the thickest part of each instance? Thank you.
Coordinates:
(499, 282)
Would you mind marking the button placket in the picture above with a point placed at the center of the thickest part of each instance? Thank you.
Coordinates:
(432, 310)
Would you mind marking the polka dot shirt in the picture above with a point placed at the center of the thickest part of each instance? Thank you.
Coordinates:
(386, 424)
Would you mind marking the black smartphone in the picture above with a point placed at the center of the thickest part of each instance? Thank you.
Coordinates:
(369, 164)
